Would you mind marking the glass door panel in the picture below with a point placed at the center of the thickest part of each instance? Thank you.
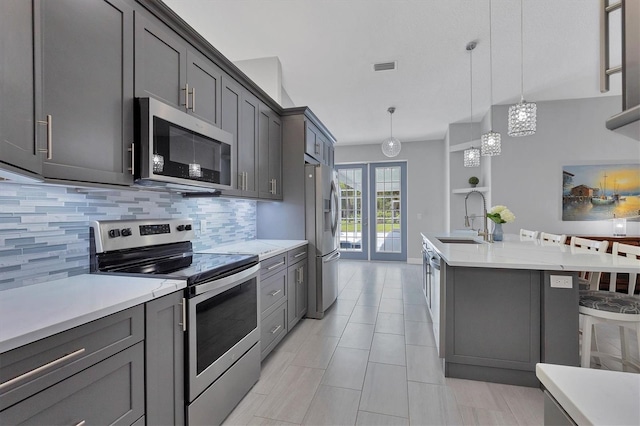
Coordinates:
(353, 209)
(388, 207)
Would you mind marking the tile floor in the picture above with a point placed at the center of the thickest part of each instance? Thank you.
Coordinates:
(372, 361)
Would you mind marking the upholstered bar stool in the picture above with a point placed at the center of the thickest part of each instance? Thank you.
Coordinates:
(546, 237)
(526, 235)
(609, 307)
(589, 280)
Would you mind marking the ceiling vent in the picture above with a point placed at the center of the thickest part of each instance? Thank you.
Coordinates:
(385, 66)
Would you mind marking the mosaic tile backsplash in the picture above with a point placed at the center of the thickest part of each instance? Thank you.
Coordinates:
(44, 229)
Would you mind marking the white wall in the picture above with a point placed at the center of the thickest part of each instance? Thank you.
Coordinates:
(266, 73)
(425, 187)
(527, 177)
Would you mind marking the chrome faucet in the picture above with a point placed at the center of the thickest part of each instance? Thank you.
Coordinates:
(486, 236)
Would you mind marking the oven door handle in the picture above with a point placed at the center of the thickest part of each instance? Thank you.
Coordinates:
(224, 284)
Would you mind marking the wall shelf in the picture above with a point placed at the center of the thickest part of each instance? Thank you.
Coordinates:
(467, 190)
(465, 145)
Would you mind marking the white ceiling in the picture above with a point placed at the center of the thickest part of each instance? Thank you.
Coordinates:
(327, 48)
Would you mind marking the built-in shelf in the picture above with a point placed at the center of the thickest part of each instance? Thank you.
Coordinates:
(465, 145)
(467, 190)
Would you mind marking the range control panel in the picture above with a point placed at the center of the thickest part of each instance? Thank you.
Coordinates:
(112, 235)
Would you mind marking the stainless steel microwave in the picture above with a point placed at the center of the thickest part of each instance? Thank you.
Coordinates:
(180, 151)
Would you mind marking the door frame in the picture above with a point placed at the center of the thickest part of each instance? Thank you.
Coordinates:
(364, 217)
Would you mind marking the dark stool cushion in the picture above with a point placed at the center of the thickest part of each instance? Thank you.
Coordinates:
(611, 302)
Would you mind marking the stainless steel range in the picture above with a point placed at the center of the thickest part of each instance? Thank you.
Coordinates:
(222, 306)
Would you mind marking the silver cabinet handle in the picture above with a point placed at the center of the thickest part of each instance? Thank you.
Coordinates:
(274, 330)
(183, 305)
(302, 253)
(81, 423)
(241, 183)
(132, 149)
(273, 293)
(42, 368)
(275, 266)
(193, 99)
(605, 70)
(186, 96)
(274, 186)
(49, 149)
(317, 147)
(246, 180)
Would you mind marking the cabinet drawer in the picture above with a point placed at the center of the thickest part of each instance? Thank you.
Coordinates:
(272, 265)
(297, 254)
(45, 362)
(273, 329)
(110, 392)
(272, 291)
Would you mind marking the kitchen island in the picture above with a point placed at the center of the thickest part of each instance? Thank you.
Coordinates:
(502, 307)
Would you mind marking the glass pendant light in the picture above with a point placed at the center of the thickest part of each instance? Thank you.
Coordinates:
(471, 155)
(491, 141)
(158, 163)
(522, 116)
(391, 146)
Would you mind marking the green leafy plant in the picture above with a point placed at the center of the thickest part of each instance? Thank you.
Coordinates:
(474, 180)
(501, 214)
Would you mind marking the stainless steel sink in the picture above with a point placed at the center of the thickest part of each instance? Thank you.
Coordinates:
(448, 240)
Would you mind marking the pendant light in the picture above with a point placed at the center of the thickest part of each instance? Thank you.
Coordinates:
(491, 144)
(522, 116)
(391, 146)
(471, 155)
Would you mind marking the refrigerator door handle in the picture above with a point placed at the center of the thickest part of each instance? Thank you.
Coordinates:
(334, 209)
(333, 257)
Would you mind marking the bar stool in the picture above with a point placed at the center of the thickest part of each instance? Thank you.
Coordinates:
(526, 235)
(589, 280)
(609, 307)
(545, 237)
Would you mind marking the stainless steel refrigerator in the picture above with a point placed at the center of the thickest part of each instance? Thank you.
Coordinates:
(322, 207)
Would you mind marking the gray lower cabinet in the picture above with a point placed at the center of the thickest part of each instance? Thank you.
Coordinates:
(77, 368)
(168, 68)
(554, 414)
(110, 392)
(273, 302)
(297, 292)
(164, 360)
(17, 87)
(269, 154)
(84, 89)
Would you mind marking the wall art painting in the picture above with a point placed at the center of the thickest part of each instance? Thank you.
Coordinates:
(601, 192)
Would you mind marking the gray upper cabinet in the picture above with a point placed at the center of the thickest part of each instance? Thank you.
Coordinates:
(240, 118)
(168, 68)
(313, 143)
(84, 88)
(17, 91)
(269, 154)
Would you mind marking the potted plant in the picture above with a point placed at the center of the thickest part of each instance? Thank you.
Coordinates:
(473, 181)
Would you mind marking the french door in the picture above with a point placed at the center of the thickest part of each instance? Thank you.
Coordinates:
(374, 212)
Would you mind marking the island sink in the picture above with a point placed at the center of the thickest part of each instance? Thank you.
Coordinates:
(446, 240)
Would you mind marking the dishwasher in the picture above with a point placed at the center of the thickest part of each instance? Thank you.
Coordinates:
(426, 272)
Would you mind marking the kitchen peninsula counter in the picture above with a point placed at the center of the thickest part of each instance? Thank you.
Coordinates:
(497, 313)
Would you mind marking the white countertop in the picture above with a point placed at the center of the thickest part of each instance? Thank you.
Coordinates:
(593, 397)
(512, 253)
(37, 311)
(263, 248)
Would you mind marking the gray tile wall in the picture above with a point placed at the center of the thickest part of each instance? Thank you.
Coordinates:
(44, 229)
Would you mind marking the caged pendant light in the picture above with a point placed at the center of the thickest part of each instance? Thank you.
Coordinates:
(491, 141)
(471, 155)
(391, 146)
(522, 116)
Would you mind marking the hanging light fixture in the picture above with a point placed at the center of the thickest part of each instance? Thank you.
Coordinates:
(471, 155)
(391, 146)
(491, 141)
(522, 116)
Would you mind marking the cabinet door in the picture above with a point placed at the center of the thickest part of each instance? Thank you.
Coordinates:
(230, 122)
(264, 185)
(161, 62)
(311, 142)
(275, 155)
(297, 293)
(204, 80)
(164, 360)
(86, 49)
(301, 290)
(248, 143)
(17, 132)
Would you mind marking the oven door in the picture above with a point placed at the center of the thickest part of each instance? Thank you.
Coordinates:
(222, 326)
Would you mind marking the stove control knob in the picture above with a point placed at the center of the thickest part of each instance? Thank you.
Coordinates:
(187, 227)
(125, 232)
(114, 233)
(180, 228)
